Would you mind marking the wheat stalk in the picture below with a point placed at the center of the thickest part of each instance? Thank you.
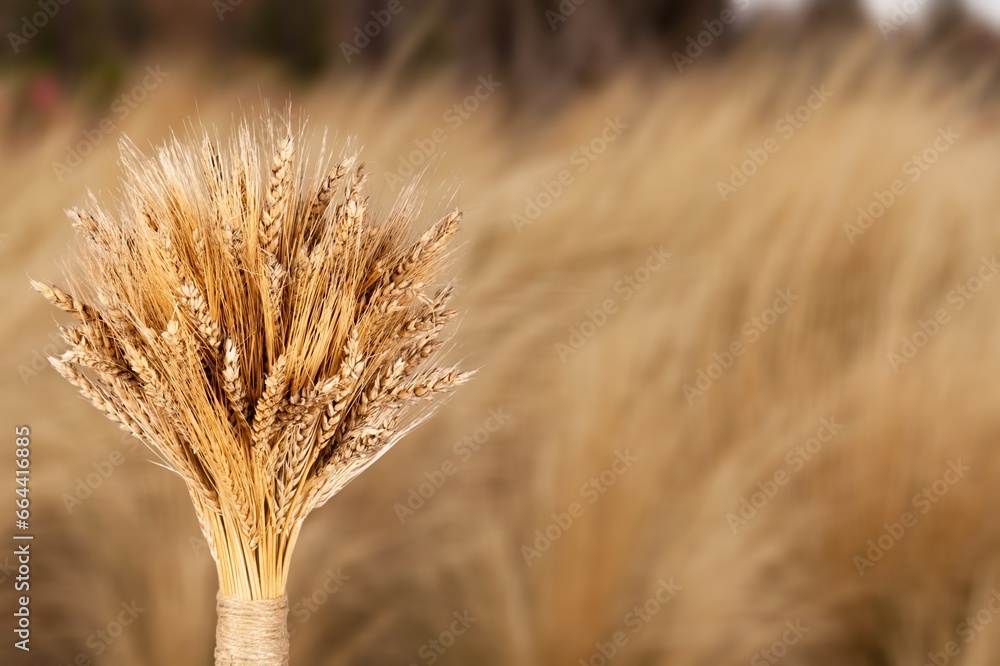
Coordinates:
(265, 335)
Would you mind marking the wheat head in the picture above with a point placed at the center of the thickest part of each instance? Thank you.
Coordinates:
(259, 328)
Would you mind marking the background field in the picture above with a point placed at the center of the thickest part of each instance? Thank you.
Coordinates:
(592, 347)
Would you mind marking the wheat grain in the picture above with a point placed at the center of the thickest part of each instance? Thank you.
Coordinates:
(265, 344)
(232, 382)
(64, 301)
(326, 192)
(85, 224)
(277, 197)
(266, 409)
(197, 309)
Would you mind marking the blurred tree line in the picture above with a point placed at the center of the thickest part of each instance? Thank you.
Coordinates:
(530, 41)
(542, 49)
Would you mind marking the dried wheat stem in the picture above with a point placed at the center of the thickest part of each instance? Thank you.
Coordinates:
(267, 338)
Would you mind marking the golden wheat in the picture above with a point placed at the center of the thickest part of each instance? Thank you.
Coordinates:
(262, 336)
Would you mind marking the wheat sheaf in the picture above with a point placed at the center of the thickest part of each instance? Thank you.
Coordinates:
(265, 333)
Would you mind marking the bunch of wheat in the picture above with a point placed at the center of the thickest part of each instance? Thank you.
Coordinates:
(264, 335)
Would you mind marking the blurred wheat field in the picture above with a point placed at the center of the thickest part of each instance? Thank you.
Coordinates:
(559, 403)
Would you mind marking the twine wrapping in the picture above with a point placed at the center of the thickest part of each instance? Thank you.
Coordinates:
(252, 632)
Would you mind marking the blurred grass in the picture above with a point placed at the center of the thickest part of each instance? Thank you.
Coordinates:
(523, 293)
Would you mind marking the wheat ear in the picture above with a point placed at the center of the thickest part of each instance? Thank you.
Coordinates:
(265, 335)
